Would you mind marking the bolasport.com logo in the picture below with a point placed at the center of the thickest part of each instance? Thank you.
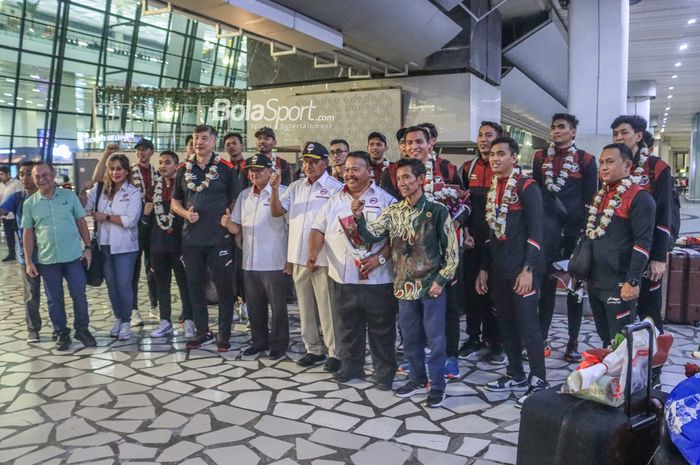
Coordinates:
(270, 114)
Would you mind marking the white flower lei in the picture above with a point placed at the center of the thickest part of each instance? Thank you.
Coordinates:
(137, 180)
(428, 187)
(190, 178)
(593, 232)
(165, 221)
(639, 170)
(549, 182)
(498, 224)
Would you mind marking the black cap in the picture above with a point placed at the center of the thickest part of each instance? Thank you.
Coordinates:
(376, 135)
(145, 143)
(258, 161)
(265, 131)
(315, 150)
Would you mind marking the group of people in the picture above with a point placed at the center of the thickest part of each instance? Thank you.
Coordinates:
(367, 243)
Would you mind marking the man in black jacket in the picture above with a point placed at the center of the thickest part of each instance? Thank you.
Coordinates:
(568, 178)
(653, 175)
(477, 177)
(620, 224)
(512, 269)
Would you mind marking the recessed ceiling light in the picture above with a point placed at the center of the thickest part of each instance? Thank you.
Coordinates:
(683, 47)
(668, 108)
(674, 76)
(677, 65)
(663, 129)
(671, 88)
(692, 21)
(670, 96)
(665, 114)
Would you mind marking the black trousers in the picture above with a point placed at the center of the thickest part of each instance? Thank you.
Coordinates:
(453, 310)
(649, 303)
(32, 297)
(145, 251)
(238, 285)
(164, 266)
(479, 308)
(610, 312)
(265, 288)
(219, 261)
(517, 318)
(10, 228)
(548, 296)
(367, 312)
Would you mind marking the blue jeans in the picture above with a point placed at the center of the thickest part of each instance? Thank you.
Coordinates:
(74, 274)
(119, 273)
(421, 319)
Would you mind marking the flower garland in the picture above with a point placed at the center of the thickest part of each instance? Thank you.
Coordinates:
(496, 216)
(137, 179)
(593, 232)
(639, 170)
(164, 220)
(211, 173)
(428, 184)
(549, 182)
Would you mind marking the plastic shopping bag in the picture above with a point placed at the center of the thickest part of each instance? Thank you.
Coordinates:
(605, 382)
(683, 417)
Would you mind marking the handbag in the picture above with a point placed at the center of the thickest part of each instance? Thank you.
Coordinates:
(95, 272)
(581, 259)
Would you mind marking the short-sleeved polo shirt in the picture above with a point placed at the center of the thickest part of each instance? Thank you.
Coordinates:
(211, 203)
(54, 222)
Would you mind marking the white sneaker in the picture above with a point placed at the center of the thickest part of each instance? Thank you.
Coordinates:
(114, 332)
(190, 330)
(164, 329)
(124, 332)
(136, 318)
(154, 313)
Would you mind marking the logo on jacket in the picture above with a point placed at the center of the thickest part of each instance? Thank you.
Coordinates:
(575, 168)
(644, 180)
(474, 176)
(373, 200)
(438, 179)
(616, 202)
(614, 301)
(514, 199)
(324, 192)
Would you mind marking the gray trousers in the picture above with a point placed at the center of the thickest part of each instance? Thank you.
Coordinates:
(32, 295)
(367, 312)
(263, 288)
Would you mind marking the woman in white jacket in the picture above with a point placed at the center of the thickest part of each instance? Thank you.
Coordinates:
(116, 218)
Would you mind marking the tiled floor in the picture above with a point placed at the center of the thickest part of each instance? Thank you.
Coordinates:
(150, 401)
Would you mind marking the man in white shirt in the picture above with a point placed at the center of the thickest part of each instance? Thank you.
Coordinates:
(301, 202)
(264, 259)
(362, 280)
(9, 186)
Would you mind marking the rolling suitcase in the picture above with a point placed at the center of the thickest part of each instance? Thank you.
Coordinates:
(560, 429)
(683, 290)
(692, 312)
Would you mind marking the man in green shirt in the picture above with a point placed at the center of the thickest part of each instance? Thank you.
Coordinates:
(424, 252)
(53, 221)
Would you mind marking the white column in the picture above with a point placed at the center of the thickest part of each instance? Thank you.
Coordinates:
(598, 56)
(694, 155)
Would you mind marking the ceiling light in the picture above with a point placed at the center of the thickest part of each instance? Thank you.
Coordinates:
(677, 65)
(668, 108)
(670, 96)
(665, 114)
(683, 47)
(671, 88)
(674, 76)
(663, 129)
(692, 21)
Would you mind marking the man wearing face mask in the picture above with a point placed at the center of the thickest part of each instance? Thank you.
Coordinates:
(361, 285)
(302, 201)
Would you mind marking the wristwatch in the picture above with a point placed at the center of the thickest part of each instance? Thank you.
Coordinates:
(382, 260)
(527, 268)
(633, 282)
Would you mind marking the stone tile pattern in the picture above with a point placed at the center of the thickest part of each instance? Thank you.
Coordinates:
(149, 400)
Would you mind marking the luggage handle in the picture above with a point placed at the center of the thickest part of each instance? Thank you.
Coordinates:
(639, 420)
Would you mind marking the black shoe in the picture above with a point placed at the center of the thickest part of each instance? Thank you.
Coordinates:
(84, 336)
(252, 350)
(470, 346)
(223, 346)
(536, 385)
(54, 335)
(200, 340)
(276, 354)
(32, 336)
(410, 389)
(497, 356)
(63, 342)
(343, 376)
(9, 258)
(383, 386)
(332, 365)
(435, 398)
(310, 360)
(572, 355)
